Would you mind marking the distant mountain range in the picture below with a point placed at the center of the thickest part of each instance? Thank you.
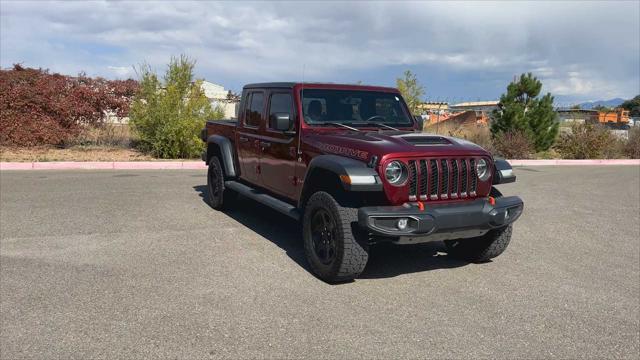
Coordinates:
(608, 103)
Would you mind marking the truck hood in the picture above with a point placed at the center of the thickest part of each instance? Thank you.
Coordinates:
(365, 144)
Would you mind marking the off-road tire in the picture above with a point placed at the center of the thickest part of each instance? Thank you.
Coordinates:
(351, 252)
(482, 248)
(219, 196)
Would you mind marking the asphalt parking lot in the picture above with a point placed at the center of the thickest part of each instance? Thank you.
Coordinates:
(134, 264)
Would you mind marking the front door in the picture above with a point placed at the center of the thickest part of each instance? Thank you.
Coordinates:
(249, 137)
(279, 148)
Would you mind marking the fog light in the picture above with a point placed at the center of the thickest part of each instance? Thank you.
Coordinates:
(402, 223)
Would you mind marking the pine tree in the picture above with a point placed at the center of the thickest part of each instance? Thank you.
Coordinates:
(633, 105)
(521, 110)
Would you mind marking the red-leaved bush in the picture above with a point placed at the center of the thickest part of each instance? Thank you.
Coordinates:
(37, 107)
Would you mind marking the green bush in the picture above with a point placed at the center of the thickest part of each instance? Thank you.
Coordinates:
(513, 145)
(632, 147)
(587, 141)
(168, 115)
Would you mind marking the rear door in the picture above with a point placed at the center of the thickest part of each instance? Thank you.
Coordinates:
(252, 121)
(279, 148)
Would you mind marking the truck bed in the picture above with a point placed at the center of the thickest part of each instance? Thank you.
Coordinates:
(233, 122)
(226, 128)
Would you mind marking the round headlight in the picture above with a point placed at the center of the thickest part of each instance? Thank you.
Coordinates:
(482, 169)
(396, 173)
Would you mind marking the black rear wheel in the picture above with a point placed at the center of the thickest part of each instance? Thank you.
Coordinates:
(482, 248)
(219, 196)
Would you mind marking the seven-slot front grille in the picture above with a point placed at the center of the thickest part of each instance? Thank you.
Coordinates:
(474, 177)
(413, 182)
(433, 179)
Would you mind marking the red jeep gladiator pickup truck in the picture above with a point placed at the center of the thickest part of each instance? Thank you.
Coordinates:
(352, 164)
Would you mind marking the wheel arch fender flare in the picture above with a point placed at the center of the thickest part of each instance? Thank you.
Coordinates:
(502, 173)
(224, 147)
(352, 174)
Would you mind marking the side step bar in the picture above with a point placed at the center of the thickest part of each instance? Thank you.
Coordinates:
(265, 199)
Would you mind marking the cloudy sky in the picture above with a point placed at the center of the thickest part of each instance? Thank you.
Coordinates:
(460, 51)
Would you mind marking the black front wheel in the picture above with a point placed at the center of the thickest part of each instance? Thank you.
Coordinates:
(324, 234)
(331, 245)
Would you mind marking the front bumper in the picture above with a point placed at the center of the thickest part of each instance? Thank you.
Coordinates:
(440, 221)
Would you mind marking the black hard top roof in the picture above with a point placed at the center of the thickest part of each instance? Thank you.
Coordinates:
(286, 85)
(290, 85)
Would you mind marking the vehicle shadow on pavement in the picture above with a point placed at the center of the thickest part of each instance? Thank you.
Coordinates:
(389, 260)
(385, 260)
(268, 223)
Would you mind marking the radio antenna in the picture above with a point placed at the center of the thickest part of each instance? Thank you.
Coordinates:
(302, 87)
(299, 152)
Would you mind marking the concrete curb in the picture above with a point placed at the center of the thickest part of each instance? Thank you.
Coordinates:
(103, 165)
(195, 165)
(562, 162)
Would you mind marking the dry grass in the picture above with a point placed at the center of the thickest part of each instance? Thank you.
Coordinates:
(108, 142)
(106, 135)
(476, 134)
(76, 153)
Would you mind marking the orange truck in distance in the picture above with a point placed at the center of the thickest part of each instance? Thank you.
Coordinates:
(616, 118)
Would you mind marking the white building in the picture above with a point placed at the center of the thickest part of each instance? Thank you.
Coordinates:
(218, 96)
(486, 106)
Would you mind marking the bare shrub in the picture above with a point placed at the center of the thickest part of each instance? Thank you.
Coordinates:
(480, 135)
(513, 145)
(477, 134)
(118, 135)
(547, 154)
(587, 141)
(615, 149)
(632, 147)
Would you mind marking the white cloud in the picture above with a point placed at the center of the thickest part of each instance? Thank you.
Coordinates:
(122, 71)
(271, 41)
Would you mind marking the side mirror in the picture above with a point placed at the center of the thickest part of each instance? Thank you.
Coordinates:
(419, 121)
(281, 121)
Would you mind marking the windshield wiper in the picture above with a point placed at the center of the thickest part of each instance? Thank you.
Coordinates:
(381, 124)
(337, 124)
(375, 123)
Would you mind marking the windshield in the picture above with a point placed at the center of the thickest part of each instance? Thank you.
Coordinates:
(353, 107)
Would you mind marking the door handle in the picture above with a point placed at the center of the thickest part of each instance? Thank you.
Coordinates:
(243, 139)
(265, 144)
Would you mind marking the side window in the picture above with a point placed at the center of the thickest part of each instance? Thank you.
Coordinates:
(253, 114)
(247, 109)
(279, 103)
